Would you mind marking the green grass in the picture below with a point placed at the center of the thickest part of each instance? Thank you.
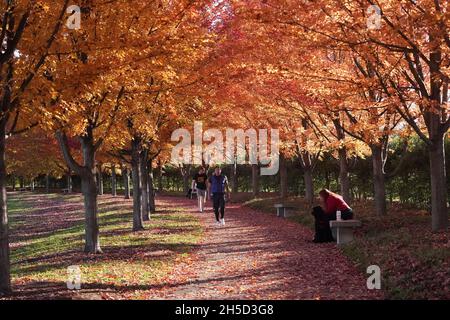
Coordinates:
(137, 259)
(15, 208)
(303, 209)
(415, 262)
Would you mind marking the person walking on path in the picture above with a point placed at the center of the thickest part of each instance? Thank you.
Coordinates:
(199, 183)
(218, 185)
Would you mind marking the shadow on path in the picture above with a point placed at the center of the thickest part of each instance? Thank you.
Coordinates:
(259, 256)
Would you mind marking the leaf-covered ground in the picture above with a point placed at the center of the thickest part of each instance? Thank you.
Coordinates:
(47, 237)
(259, 256)
(414, 262)
(181, 255)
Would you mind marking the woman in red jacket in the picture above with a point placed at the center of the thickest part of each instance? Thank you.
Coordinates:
(331, 203)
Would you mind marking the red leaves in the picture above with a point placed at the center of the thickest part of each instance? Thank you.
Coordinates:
(255, 256)
(259, 256)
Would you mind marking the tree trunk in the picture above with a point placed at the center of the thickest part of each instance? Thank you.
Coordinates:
(437, 129)
(47, 183)
(186, 175)
(100, 180)
(378, 180)
(5, 276)
(309, 184)
(144, 186)
(88, 186)
(327, 179)
(344, 180)
(234, 179)
(151, 190)
(283, 177)
(439, 209)
(160, 179)
(69, 182)
(89, 190)
(255, 180)
(126, 182)
(136, 177)
(113, 181)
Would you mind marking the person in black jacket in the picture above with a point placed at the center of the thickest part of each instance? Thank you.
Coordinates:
(322, 226)
(199, 183)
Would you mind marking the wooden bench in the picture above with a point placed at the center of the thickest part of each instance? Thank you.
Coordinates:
(284, 211)
(343, 230)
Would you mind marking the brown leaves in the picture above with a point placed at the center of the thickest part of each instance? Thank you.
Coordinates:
(259, 256)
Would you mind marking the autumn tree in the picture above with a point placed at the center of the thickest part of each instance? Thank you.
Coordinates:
(400, 50)
(28, 30)
(409, 50)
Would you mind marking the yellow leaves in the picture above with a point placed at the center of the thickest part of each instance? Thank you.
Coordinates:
(45, 7)
(53, 94)
(271, 69)
(121, 54)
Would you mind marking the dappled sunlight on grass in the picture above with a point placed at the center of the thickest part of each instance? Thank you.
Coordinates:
(302, 211)
(129, 258)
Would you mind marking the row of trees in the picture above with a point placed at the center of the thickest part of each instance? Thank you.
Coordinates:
(109, 93)
(333, 82)
(104, 93)
(407, 181)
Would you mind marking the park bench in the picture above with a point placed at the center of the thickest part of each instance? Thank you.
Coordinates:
(343, 230)
(22, 189)
(65, 191)
(284, 211)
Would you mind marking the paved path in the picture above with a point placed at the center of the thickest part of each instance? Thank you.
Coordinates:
(260, 256)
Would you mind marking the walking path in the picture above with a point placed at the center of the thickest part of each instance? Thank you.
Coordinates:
(259, 256)
(254, 256)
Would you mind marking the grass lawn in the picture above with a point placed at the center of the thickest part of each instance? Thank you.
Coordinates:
(47, 236)
(414, 262)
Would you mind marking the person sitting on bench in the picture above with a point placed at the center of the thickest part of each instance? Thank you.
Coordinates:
(331, 203)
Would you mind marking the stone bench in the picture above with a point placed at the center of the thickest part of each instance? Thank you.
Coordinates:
(343, 230)
(284, 211)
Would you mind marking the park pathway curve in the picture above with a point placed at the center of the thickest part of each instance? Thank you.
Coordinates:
(259, 256)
